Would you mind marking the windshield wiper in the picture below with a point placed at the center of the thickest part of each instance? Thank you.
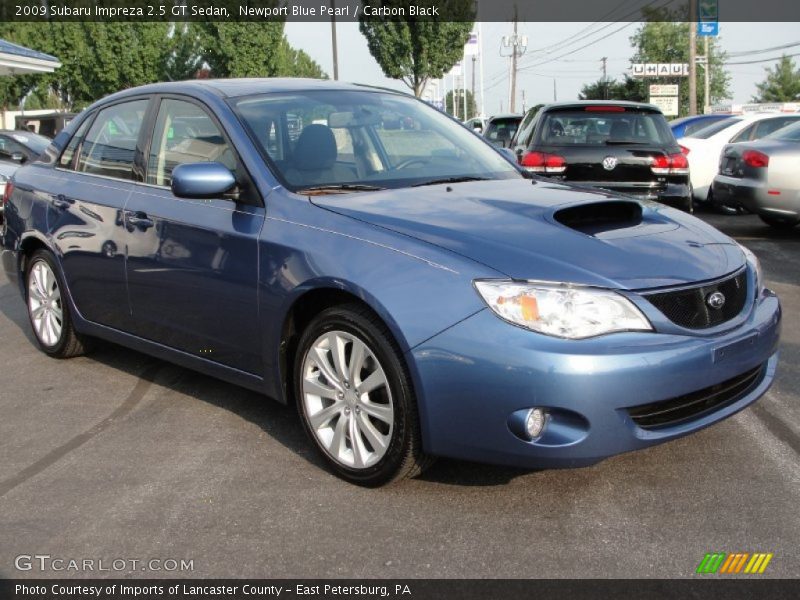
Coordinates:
(339, 188)
(450, 180)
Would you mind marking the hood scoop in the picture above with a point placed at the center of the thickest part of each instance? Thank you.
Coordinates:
(596, 218)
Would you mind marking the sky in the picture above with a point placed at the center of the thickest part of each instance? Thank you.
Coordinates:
(539, 72)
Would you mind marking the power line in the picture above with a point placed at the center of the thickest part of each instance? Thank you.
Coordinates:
(749, 52)
(760, 60)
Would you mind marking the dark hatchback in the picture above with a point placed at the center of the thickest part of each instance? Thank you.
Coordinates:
(625, 147)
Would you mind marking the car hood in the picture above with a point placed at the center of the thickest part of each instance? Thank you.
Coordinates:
(531, 229)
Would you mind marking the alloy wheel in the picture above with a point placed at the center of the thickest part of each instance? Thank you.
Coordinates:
(45, 304)
(346, 400)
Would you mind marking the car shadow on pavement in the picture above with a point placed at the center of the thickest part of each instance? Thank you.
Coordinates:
(278, 421)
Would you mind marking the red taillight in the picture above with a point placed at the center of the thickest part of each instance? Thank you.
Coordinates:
(754, 158)
(674, 164)
(685, 150)
(605, 109)
(541, 162)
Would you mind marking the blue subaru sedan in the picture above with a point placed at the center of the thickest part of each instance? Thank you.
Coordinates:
(356, 252)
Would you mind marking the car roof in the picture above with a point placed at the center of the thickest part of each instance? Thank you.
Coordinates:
(505, 116)
(230, 88)
(583, 103)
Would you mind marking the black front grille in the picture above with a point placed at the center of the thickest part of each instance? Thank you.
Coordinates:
(689, 307)
(688, 407)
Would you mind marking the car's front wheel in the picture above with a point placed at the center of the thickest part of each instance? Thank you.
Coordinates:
(48, 310)
(355, 398)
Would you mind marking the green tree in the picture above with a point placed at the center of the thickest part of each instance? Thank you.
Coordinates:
(627, 89)
(185, 59)
(459, 108)
(415, 51)
(782, 83)
(665, 40)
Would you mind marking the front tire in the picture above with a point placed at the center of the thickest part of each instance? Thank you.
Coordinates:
(48, 310)
(355, 398)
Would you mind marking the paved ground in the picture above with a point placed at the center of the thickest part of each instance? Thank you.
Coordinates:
(118, 455)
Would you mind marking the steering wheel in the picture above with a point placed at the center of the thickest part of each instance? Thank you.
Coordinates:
(404, 164)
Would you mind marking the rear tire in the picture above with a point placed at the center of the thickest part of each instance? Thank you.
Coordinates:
(355, 398)
(779, 224)
(48, 309)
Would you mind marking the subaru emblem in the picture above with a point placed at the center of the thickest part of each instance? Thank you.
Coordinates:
(716, 300)
(609, 162)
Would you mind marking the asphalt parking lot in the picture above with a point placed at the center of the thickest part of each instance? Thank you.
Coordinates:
(117, 455)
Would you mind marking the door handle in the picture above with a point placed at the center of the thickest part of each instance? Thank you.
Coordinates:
(139, 220)
(61, 201)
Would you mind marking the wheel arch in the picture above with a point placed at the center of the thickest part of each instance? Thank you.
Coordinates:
(304, 305)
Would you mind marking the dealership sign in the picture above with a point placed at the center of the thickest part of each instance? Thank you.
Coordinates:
(667, 104)
(664, 90)
(660, 69)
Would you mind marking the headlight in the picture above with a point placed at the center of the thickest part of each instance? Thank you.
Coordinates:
(560, 310)
(755, 264)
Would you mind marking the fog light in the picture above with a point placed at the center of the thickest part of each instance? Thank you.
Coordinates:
(535, 422)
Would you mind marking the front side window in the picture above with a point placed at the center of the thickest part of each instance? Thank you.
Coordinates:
(9, 147)
(65, 161)
(110, 144)
(768, 126)
(184, 133)
(377, 139)
(707, 132)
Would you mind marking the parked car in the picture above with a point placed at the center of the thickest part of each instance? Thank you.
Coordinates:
(689, 125)
(625, 147)
(411, 291)
(476, 124)
(703, 147)
(500, 129)
(17, 148)
(762, 177)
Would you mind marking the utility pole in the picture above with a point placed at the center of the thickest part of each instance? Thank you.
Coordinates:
(692, 57)
(518, 45)
(605, 79)
(333, 42)
(555, 92)
(707, 77)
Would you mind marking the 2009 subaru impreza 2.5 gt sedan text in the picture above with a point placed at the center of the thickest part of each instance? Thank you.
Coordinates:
(358, 253)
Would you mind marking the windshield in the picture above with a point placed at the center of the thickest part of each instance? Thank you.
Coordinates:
(707, 132)
(594, 128)
(35, 142)
(790, 133)
(359, 140)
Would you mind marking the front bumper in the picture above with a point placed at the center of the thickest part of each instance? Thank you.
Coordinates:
(474, 376)
(753, 196)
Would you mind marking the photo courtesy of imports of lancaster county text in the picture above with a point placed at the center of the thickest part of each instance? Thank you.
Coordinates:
(399, 299)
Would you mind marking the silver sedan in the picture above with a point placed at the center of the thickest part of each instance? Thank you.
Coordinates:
(763, 177)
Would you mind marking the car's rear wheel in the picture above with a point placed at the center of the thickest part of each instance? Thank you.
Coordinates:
(782, 224)
(48, 310)
(355, 398)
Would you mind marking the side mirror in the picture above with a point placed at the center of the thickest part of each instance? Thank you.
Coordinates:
(18, 157)
(203, 180)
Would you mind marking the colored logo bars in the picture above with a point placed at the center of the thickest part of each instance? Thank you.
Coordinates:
(736, 562)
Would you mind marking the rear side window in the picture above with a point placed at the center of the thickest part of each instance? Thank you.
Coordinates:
(596, 128)
(65, 162)
(768, 126)
(184, 133)
(707, 132)
(110, 145)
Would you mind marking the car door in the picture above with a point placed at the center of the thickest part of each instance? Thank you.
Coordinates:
(192, 265)
(92, 181)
